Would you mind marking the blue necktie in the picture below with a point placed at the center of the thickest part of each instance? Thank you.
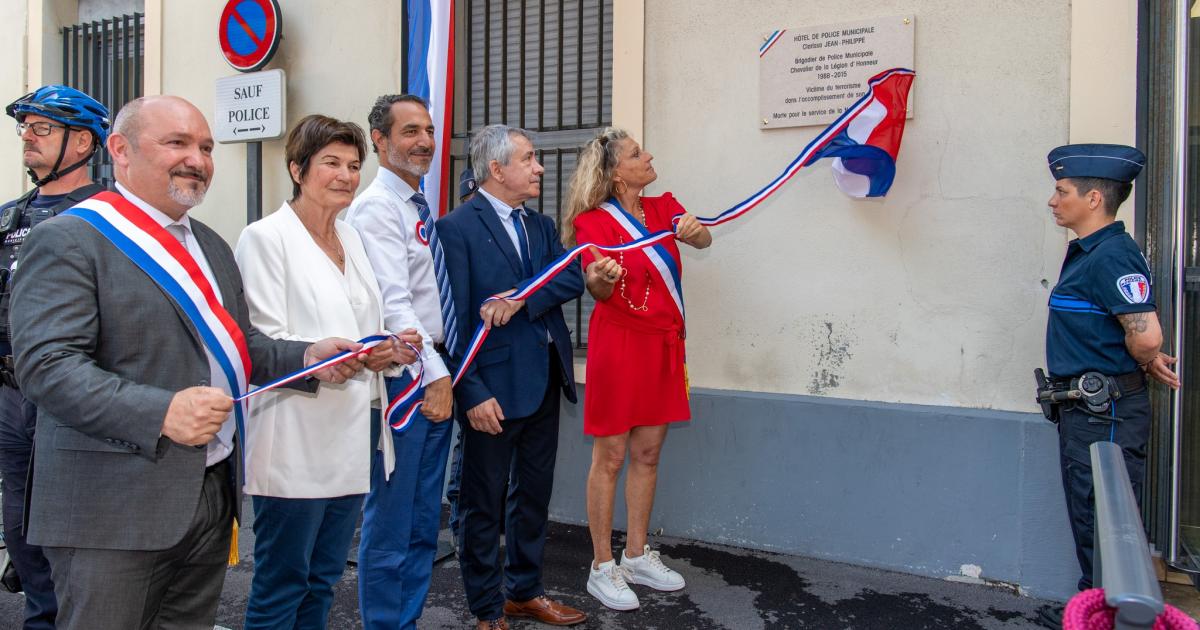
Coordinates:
(524, 241)
(445, 297)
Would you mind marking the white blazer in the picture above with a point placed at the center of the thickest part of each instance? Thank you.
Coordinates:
(302, 445)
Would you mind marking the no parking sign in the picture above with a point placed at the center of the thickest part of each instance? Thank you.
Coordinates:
(249, 31)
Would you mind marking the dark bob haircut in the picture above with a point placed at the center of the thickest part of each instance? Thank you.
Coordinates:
(314, 133)
(1114, 192)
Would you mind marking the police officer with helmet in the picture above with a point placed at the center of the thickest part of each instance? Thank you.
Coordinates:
(1103, 335)
(60, 128)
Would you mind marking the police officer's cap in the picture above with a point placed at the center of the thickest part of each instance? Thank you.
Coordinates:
(466, 184)
(1108, 161)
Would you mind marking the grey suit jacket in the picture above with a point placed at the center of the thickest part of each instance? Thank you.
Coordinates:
(101, 350)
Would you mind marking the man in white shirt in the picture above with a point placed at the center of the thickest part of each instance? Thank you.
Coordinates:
(402, 512)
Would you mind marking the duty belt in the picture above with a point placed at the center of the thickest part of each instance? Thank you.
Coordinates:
(1130, 383)
(1091, 392)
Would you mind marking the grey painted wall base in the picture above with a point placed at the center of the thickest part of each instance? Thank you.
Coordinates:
(937, 491)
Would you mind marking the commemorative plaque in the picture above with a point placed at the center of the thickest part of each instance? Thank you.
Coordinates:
(810, 75)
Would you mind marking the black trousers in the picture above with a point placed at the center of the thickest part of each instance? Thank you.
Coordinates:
(18, 417)
(1077, 431)
(526, 449)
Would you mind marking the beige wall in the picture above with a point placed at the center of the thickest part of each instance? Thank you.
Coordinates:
(629, 65)
(935, 294)
(336, 60)
(46, 19)
(13, 16)
(1104, 76)
(30, 40)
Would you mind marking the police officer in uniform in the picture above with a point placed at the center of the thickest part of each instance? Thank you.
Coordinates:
(60, 128)
(1103, 335)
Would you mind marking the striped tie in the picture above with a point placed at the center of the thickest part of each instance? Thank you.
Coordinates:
(449, 321)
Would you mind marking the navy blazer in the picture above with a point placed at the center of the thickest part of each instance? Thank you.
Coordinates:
(512, 365)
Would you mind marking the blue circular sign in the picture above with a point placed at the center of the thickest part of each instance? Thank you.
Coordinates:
(249, 31)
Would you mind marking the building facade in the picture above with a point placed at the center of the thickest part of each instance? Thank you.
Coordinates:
(861, 370)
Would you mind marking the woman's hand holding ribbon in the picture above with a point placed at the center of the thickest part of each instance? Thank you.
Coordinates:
(604, 269)
(602, 274)
(689, 230)
(400, 348)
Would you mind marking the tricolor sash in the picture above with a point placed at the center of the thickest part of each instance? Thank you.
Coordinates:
(156, 252)
(662, 260)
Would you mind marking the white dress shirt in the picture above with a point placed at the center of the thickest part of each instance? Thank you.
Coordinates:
(222, 445)
(386, 219)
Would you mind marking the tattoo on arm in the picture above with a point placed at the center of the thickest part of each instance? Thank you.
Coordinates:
(1134, 323)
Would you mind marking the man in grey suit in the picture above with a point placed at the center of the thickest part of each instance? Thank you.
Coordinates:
(137, 473)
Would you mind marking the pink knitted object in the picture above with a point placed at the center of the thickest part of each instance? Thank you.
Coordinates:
(1087, 611)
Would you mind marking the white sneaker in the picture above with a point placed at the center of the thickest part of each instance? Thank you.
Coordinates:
(607, 584)
(648, 570)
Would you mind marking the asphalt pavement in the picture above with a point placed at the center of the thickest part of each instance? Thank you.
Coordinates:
(728, 588)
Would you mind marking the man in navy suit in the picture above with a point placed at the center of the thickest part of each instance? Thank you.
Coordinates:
(508, 399)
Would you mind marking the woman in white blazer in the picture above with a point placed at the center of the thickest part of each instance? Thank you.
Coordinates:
(308, 456)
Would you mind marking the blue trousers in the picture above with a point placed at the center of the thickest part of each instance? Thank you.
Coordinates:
(400, 524)
(17, 419)
(300, 548)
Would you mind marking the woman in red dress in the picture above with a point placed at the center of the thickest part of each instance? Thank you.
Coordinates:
(636, 378)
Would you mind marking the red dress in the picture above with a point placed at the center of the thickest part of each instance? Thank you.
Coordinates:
(635, 357)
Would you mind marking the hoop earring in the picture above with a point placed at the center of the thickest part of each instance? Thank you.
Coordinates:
(622, 184)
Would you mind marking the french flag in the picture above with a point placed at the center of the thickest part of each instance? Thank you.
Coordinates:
(864, 141)
(431, 76)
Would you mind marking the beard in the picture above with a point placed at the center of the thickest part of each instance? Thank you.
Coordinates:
(35, 160)
(184, 196)
(400, 162)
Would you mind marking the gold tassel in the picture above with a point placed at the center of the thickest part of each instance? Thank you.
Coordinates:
(233, 545)
(687, 383)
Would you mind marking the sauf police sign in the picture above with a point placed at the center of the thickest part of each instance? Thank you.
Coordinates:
(250, 107)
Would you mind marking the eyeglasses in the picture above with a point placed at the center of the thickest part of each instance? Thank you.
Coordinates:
(40, 128)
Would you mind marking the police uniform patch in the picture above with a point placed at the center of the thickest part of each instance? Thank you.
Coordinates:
(1134, 287)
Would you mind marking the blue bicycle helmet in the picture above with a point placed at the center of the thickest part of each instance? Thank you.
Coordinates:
(70, 107)
(65, 105)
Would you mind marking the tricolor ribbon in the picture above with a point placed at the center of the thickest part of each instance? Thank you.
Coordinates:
(368, 343)
(826, 144)
(404, 407)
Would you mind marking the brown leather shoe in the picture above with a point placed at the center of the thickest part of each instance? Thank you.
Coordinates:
(546, 611)
(494, 624)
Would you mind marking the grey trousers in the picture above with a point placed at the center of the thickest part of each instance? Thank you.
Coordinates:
(172, 589)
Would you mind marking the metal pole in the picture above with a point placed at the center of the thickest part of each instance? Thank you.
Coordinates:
(253, 182)
(1178, 216)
